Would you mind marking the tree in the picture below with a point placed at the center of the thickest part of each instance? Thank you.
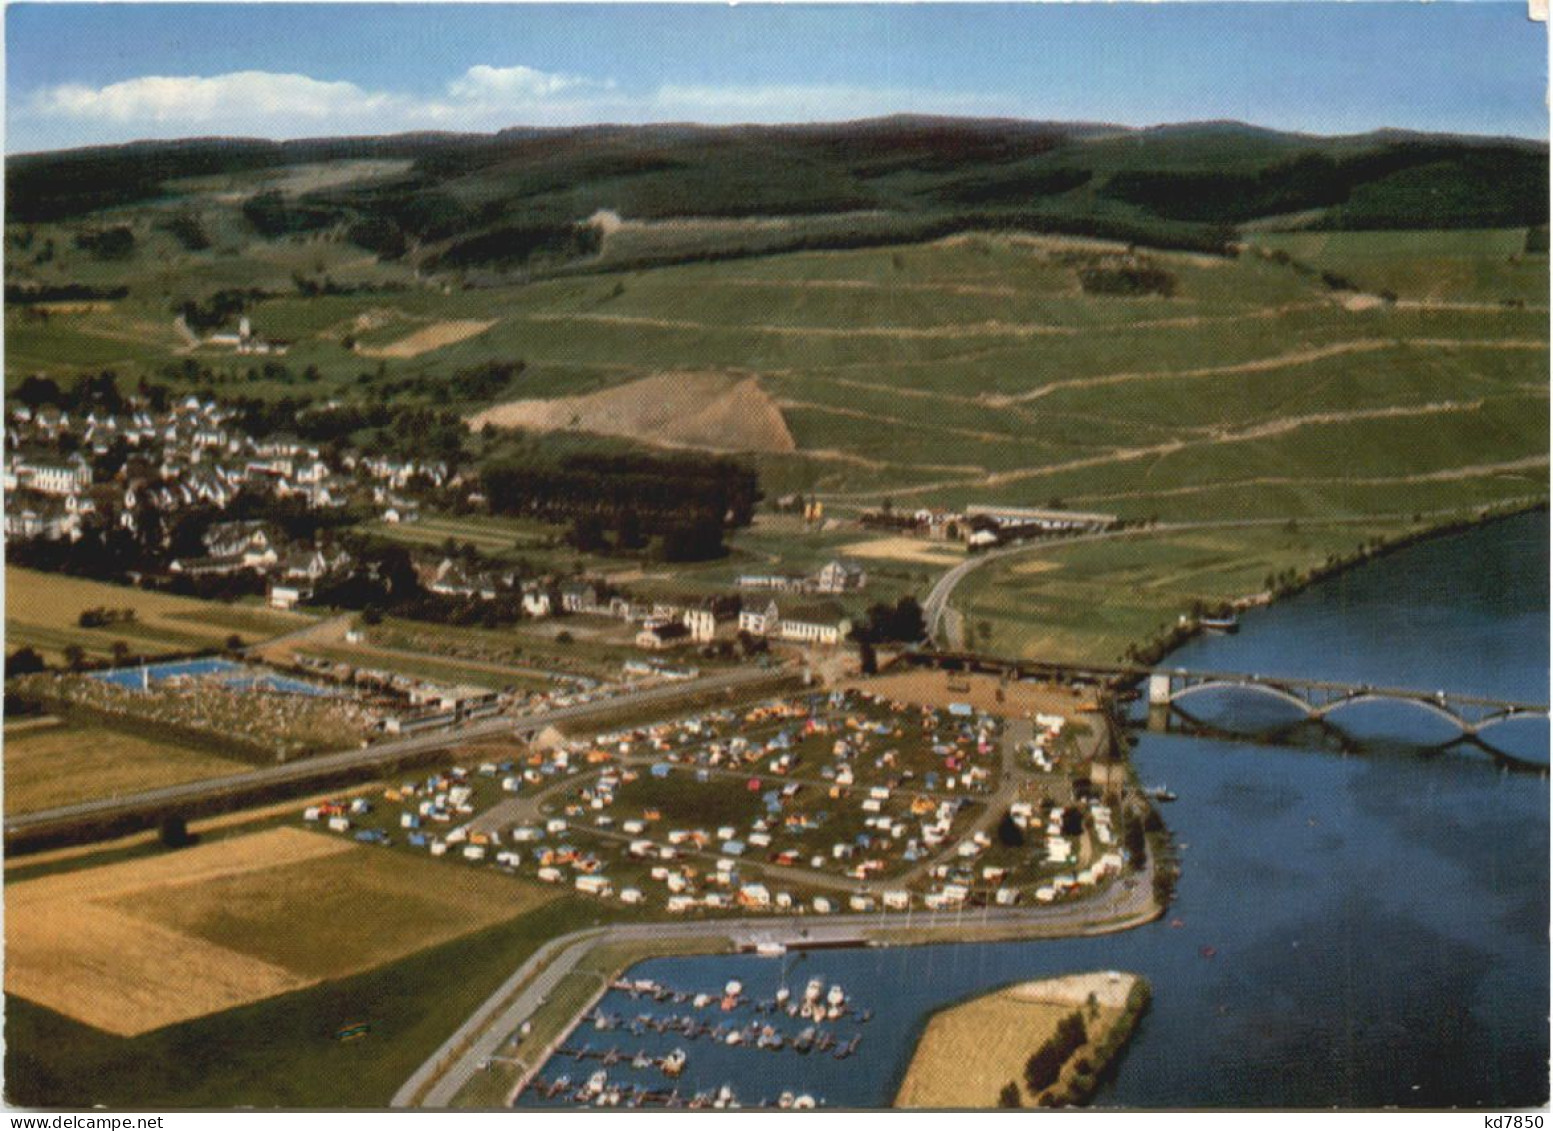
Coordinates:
(628, 530)
(24, 661)
(1136, 842)
(175, 833)
(1009, 1096)
(75, 656)
(902, 621)
(234, 643)
(120, 652)
(35, 391)
(587, 533)
(1010, 835)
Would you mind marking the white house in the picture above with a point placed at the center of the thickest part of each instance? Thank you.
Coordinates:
(288, 596)
(701, 623)
(840, 576)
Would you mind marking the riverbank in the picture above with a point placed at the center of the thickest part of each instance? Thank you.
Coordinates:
(1291, 581)
(1034, 1044)
(1122, 597)
(1290, 853)
(482, 1066)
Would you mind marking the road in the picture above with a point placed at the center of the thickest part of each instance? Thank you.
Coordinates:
(327, 766)
(438, 1081)
(946, 625)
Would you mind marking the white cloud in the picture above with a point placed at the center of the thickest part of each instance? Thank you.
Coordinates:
(193, 99)
(518, 83)
(484, 97)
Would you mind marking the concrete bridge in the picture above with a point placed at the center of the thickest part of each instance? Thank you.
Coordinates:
(1319, 700)
(1473, 716)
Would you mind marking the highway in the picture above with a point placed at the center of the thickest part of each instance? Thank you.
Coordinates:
(329, 766)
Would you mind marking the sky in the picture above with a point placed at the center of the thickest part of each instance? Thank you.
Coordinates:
(79, 74)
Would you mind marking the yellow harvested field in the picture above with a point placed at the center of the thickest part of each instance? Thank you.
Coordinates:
(43, 610)
(429, 338)
(141, 944)
(198, 828)
(62, 764)
(125, 976)
(969, 1052)
(904, 550)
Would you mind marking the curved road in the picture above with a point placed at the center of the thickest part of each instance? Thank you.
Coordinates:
(935, 606)
(435, 1084)
(945, 624)
(439, 1080)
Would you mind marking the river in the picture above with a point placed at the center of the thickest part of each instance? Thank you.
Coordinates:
(1355, 925)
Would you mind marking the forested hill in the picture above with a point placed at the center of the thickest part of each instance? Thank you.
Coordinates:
(460, 200)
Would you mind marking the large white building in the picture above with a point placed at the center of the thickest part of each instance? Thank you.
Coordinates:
(49, 476)
(801, 624)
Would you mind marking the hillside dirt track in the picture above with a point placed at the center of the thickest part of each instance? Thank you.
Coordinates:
(428, 338)
(1263, 364)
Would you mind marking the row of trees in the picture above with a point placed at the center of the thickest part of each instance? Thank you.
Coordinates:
(87, 391)
(21, 294)
(680, 506)
(517, 244)
(1045, 1065)
(108, 244)
(1131, 280)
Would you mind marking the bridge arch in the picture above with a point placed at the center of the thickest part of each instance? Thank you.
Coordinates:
(1425, 704)
(1256, 686)
(1488, 722)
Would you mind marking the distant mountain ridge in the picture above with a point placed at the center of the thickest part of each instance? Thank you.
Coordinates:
(501, 198)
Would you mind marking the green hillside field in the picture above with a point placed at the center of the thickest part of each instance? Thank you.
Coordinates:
(1360, 382)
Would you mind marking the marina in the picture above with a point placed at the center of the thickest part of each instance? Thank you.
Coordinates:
(651, 1040)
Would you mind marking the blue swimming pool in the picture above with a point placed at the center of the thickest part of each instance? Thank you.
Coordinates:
(245, 677)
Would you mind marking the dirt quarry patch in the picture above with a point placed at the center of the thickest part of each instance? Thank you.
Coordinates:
(142, 944)
(717, 411)
(930, 688)
(429, 338)
(903, 550)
